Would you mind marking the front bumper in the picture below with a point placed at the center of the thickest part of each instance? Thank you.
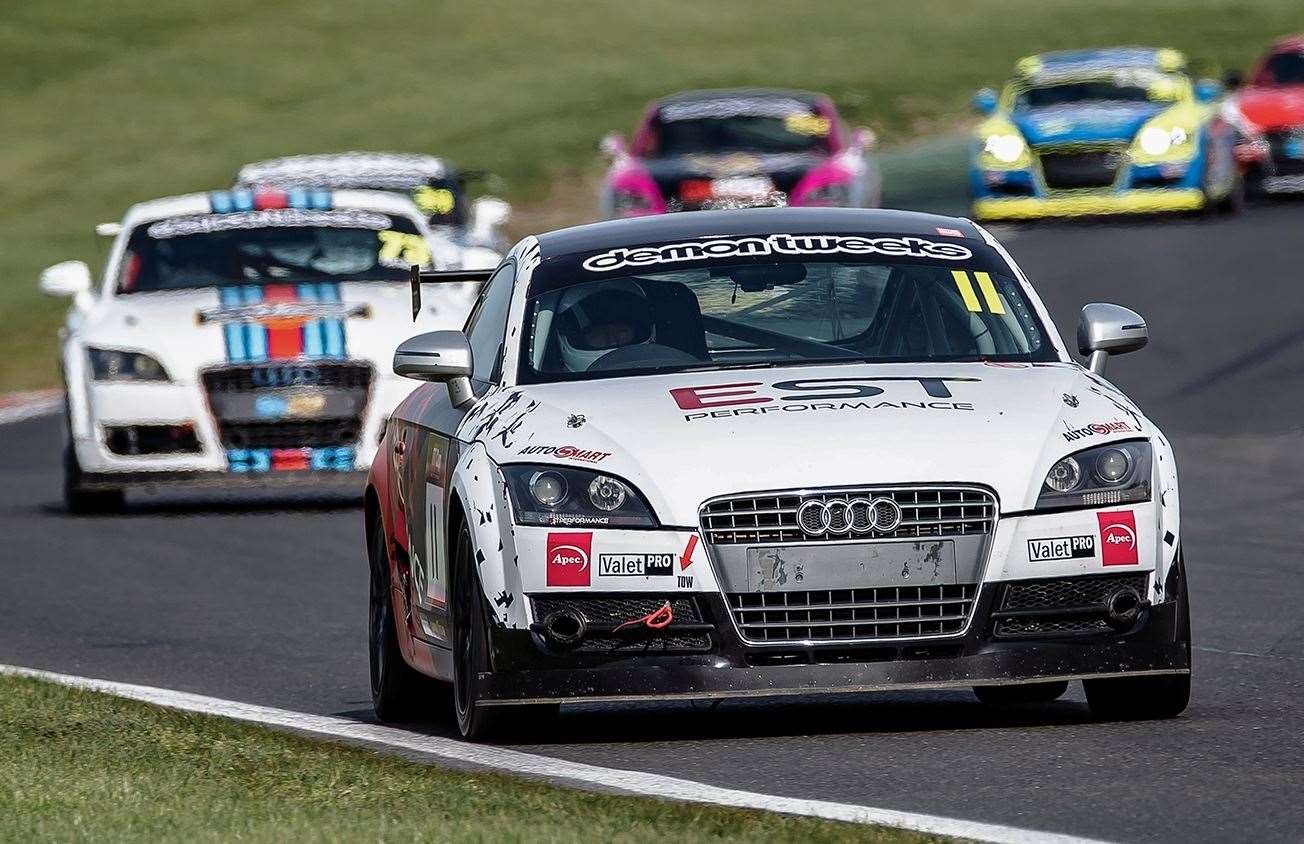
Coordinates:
(1139, 201)
(1157, 643)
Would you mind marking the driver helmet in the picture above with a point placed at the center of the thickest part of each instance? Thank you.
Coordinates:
(594, 318)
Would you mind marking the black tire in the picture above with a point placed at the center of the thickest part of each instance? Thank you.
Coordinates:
(1147, 698)
(1234, 202)
(1022, 693)
(86, 501)
(398, 691)
(475, 720)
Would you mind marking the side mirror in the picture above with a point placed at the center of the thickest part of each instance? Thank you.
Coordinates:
(1232, 80)
(1207, 90)
(487, 214)
(1105, 330)
(67, 279)
(984, 101)
(613, 144)
(438, 356)
(864, 137)
(108, 229)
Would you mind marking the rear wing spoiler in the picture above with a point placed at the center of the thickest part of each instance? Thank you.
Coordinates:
(418, 277)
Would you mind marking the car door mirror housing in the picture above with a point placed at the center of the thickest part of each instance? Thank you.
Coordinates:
(438, 356)
(488, 214)
(1208, 90)
(613, 144)
(984, 101)
(1105, 330)
(864, 137)
(70, 279)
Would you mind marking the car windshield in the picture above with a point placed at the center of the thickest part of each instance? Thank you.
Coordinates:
(269, 247)
(1088, 91)
(744, 125)
(825, 310)
(1283, 69)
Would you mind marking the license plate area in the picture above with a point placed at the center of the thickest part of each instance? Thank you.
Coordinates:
(851, 565)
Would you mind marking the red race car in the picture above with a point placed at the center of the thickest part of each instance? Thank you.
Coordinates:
(1269, 113)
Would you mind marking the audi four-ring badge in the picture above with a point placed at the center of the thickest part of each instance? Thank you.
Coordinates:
(767, 452)
(242, 338)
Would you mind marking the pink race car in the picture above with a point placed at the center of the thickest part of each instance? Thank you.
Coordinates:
(740, 148)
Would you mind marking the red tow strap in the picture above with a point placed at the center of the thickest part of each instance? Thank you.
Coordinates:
(657, 619)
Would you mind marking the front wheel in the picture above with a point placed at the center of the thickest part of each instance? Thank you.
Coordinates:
(475, 720)
(86, 501)
(1138, 698)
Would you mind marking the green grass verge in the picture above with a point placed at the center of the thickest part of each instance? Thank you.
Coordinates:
(108, 103)
(82, 766)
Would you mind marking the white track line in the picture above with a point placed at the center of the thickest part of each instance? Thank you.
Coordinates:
(28, 410)
(529, 764)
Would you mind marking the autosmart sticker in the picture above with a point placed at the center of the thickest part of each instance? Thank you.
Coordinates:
(1118, 538)
(1097, 429)
(568, 559)
(567, 452)
(1061, 548)
(719, 401)
(636, 565)
(775, 244)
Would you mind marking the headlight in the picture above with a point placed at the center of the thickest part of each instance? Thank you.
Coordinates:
(1117, 473)
(1004, 148)
(559, 496)
(111, 365)
(1156, 141)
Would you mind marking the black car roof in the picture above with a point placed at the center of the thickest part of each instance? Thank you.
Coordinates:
(664, 228)
(735, 93)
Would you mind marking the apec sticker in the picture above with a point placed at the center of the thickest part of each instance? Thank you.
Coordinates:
(1118, 538)
(568, 559)
(1061, 548)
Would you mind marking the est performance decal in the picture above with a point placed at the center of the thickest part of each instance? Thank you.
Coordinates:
(1118, 538)
(568, 556)
(775, 244)
(720, 401)
(1061, 548)
(636, 565)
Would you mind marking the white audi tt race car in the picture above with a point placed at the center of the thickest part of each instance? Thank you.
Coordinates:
(771, 452)
(242, 338)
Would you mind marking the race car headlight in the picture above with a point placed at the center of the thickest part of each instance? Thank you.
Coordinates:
(1006, 149)
(1117, 473)
(1167, 141)
(112, 365)
(559, 496)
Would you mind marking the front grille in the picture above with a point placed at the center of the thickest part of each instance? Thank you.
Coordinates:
(249, 378)
(1062, 592)
(1280, 144)
(246, 385)
(687, 633)
(833, 615)
(772, 518)
(1063, 606)
(1080, 168)
(318, 433)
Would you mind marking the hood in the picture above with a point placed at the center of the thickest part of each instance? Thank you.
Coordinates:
(1273, 108)
(688, 437)
(1084, 124)
(190, 330)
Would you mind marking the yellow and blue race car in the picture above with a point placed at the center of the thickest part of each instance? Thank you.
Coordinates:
(1100, 132)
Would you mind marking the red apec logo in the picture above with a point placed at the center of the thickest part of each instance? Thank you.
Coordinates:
(1117, 538)
(568, 559)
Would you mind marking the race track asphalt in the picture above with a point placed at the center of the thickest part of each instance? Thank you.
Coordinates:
(257, 600)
